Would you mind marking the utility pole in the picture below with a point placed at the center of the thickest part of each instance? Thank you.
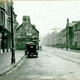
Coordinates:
(53, 39)
(67, 33)
(12, 33)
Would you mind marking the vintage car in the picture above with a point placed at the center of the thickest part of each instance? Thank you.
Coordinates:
(31, 49)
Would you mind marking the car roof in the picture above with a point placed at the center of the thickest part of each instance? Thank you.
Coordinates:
(30, 43)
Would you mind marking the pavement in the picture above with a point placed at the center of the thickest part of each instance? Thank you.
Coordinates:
(5, 60)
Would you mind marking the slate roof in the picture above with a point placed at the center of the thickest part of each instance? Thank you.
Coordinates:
(72, 24)
(32, 26)
(75, 21)
(19, 26)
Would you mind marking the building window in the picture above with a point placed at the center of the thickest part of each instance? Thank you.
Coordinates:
(9, 10)
(24, 19)
(74, 28)
(2, 18)
(9, 25)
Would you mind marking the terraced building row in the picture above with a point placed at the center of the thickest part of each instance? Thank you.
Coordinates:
(68, 37)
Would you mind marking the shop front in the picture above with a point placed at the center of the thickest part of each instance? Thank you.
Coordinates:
(5, 40)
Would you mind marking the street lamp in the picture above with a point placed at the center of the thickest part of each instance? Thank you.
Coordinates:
(12, 33)
(0, 45)
(67, 33)
(0, 42)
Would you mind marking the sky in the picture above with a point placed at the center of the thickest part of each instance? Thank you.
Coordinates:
(47, 15)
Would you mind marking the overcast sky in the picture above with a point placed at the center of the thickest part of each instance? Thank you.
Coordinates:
(48, 14)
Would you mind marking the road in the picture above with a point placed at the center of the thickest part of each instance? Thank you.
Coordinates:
(52, 64)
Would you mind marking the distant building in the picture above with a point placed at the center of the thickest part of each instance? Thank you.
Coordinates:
(63, 36)
(50, 39)
(68, 37)
(26, 32)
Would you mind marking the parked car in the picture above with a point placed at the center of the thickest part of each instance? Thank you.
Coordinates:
(31, 49)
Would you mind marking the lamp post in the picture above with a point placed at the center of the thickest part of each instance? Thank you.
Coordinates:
(67, 34)
(0, 45)
(0, 42)
(66, 38)
(12, 33)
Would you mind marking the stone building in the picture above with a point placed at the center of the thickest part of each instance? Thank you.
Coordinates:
(55, 38)
(26, 32)
(67, 38)
(45, 41)
(63, 36)
(76, 34)
(50, 39)
(5, 25)
(73, 34)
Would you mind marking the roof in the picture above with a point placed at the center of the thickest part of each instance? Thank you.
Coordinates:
(34, 28)
(14, 13)
(75, 21)
(72, 24)
(19, 26)
(29, 43)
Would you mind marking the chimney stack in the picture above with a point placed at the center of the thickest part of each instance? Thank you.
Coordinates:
(26, 19)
